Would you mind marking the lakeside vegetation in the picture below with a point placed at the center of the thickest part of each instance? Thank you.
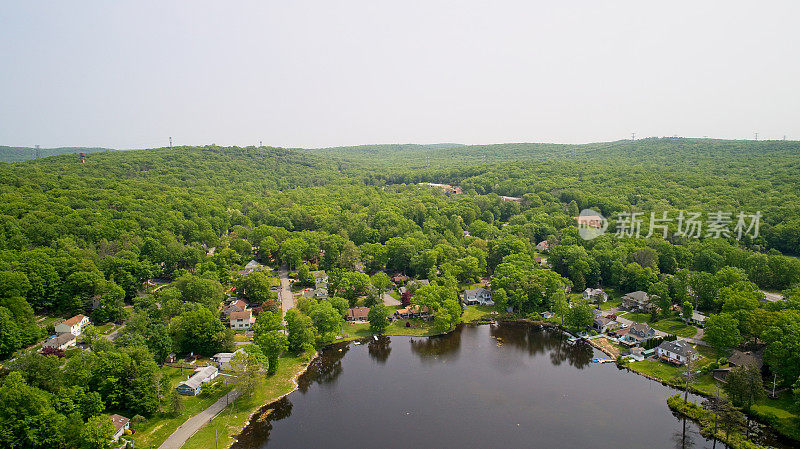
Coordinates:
(74, 235)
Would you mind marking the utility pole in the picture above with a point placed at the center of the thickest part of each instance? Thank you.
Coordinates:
(756, 136)
(170, 142)
(633, 136)
(39, 154)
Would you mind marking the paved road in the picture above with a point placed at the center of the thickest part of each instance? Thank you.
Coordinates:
(113, 335)
(285, 295)
(388, 301)
(193, 424)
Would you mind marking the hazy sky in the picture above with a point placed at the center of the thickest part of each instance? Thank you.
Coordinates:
(129, 74)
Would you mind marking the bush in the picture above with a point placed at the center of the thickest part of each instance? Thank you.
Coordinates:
(722, 361)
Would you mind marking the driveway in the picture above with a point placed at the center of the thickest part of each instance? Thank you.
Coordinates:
(193, 424)
(388, 301)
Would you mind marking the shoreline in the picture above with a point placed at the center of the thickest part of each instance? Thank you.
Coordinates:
(264, 410)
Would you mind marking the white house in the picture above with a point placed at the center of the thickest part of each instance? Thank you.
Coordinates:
(595, 295)
(480, 295)
(194, 384)
(74, 325)
(61, 341)
(698, 319)
(242, 320)
(677, 352)
(223, 359)
(121, 424)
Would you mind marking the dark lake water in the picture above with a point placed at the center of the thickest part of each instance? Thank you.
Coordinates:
(507, 385)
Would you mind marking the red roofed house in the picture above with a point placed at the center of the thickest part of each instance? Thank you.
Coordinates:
(121, 424)
(236, 306)
(358, 314)
(74, 325)
(593, 221)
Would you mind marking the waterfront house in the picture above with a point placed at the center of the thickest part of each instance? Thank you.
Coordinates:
(601, 324)
(637, 334)
(595, 295)
(74, 325)
(677, 352)
(739, 358)
(61, 341)
(193, 385)
(637, 301)
(357, 314)
(479, 295)
(413, 311)
(121, 424)
(242, 320)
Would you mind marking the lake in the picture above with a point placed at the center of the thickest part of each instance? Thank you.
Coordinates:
(507, 385)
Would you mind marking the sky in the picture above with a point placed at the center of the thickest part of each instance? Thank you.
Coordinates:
(130, 74)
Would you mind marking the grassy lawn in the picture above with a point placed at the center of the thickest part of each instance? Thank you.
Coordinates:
(394, 294)
(675, 327)
(48, 321)
(638, 317)
(703, 383)
(781, 413)
(611, 303)
(419, 328)
(241, 337)
(154, 431)
(103, 329)
(231, 420)
(475, 312)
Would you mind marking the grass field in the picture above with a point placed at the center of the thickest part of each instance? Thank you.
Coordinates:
(703, 383)
(475, 312)
(675, 327)
(231, 420)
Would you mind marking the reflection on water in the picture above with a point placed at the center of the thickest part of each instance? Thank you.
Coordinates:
(379, 348)
(535, 339)
(492, 385)
(325, 368)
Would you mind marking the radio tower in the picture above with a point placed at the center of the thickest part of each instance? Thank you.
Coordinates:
(633, 136)
(39, 154)
(756, 136)
(170, 142)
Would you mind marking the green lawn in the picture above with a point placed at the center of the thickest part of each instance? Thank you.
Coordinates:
(675, 327)
(638, 317)
(611, 303)
(153, 432)
(782, 413)
(703, 383)
(241, 337)
(475, 312)
(48, 321)
(231, 420)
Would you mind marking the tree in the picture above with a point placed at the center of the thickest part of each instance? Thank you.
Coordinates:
(381, 282)
(722, 331)
(686, 311)
(744, 386)
(201, 332)
(9, 334)
(207, 292)
(327, 320)
(255, 286)
(270, 338)
(304, 275)
(176, 404)
(27, 418)
(579, 316)
(378, 318)
(97, 433)
(300, 330)
(248, 372)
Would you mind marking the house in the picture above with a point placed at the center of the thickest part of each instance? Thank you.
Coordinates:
(515, 199)
(61, 341)
(739, 358)
(547, 315)
(677, 352)
(417, 283)
(171, 358)
(399, 278)
(638, 333)
(637, 301)
(250, 267)
(595, 295)
(223, 359)
(357, 314)
(698, 319)
(541, 261)
(413, 311)
(121, 424)
(320, 277)
(479, 295)
(592, 221)
(601, 323)
(194, 384)
(242, 320)
(236, 306)
(74, 325)
(542, 246)
(321, 292)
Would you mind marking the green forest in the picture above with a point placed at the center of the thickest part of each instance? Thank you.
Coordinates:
(85, 238)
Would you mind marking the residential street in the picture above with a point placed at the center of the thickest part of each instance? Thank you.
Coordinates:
(193, 424)
(285, 295)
